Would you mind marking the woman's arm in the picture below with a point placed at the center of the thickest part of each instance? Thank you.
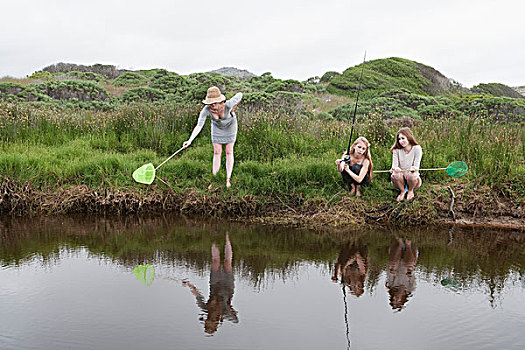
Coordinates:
(234, 101)
(395, 161)
(362, 173)
(200, 123)
(418, 154)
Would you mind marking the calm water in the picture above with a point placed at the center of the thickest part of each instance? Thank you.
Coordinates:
(172, 283)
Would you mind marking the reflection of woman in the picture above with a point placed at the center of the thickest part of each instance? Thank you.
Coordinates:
(400, 281)
(219, 305)
(351, 267)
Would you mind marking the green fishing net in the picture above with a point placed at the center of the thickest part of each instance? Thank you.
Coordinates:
(457, 169)
(145, 174)
(144, 273)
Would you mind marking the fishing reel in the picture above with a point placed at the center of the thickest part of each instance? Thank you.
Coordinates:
(346, 158)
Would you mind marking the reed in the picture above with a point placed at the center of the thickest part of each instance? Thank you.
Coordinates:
(276, 154)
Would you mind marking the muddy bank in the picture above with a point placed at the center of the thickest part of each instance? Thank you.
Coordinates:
(430, 207)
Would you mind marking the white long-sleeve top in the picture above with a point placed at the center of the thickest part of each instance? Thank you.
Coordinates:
(406, 160)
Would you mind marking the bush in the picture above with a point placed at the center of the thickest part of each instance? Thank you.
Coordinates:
(81, 76)
(143, 94)
(286, 85)
(168, 82)
(497, 90)
(83, 91)
(10, 91)
(130, 79)
(328, 76)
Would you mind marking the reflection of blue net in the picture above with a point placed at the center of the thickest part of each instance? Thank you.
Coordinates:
(457, 169)
(144, 273)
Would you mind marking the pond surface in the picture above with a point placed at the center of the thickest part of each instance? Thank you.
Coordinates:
(178, 283)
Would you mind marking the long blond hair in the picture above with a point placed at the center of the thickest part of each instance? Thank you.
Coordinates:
(367, 153)
(408, 134)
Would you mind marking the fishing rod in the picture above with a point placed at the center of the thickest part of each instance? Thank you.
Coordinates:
(347, 157)
(346, 319)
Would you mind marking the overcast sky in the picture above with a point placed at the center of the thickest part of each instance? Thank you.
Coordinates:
(470, 41)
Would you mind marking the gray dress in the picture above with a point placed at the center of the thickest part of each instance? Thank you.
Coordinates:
(222, 130)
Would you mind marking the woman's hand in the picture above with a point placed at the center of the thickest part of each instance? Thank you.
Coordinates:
(413, 169)
(397, 169)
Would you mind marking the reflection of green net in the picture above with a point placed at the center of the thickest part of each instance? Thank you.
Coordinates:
(145, 174)
(457, 169)
(144, 273)
(452, 284)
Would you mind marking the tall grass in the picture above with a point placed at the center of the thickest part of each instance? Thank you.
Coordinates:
(275, 153)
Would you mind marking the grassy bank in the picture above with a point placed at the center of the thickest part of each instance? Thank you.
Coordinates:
(279, 159)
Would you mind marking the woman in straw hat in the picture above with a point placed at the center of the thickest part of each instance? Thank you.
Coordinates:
(223, 127)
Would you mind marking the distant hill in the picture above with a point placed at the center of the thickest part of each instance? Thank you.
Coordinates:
(520, 90)
(394, 73)
(497, 90)
(231, 71)
(383, 75)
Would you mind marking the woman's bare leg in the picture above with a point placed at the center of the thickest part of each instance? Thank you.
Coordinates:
(229, 163)
(217, 153)
(398, 180)
(352, 189)
(412, 183)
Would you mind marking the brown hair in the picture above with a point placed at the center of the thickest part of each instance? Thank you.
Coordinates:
(408, 134)
(367, 154)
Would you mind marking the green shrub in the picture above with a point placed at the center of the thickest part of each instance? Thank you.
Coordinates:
(130, 79)
(328, 76)
(168, 82)
(10, 91)
(83, 91)
(143, 94)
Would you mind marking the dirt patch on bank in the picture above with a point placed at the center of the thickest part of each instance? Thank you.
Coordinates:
(470, 208)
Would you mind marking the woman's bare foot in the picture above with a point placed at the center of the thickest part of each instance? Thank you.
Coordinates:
(401, 196)
(358, 191)
(228, 183)
(410, 195)
(352, 190)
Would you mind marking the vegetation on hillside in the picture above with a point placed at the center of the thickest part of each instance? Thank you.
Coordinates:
(58, 133)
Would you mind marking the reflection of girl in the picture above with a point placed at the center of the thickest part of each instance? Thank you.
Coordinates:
(401, 282)
(358, 170)
(219, 305)
(351, 267)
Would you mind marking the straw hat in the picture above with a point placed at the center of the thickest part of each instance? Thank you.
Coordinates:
(213, 96)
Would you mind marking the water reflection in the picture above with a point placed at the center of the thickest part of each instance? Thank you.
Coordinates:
(218, 307)
(461, 280)
(351, 267)
(401, 280)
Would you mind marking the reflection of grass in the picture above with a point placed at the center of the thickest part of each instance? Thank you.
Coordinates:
(474, 257)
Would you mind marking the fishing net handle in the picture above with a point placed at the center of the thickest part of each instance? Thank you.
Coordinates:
(173, 155)
(404, 170)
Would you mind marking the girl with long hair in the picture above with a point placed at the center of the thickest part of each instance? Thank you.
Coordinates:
(357, 170)
(406, 158)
